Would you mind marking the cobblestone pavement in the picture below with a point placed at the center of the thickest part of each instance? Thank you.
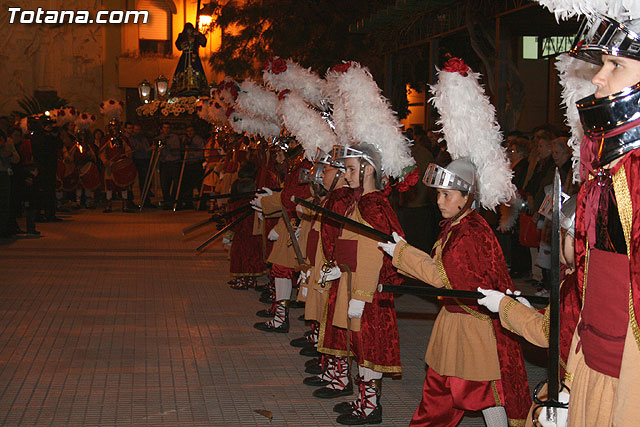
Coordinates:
(113, 320)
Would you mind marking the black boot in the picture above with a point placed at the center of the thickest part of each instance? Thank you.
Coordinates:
(313, 369)
(340, 380)
(349, 407)
(369, 410)
(281, 317)
(309, 351)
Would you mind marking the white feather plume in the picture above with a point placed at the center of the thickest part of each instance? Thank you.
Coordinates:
(217, 112)
(575, 79)
(242, 123)
(509, 213)
(306, 125)
(296, 78)
(620, 10)
(215, 108)
(111, 109)
(202, 109)
(85, 120)
(368, 118)
(62, 116)
(338, 114)
(228, 90)
(470, 128)
(256, 100)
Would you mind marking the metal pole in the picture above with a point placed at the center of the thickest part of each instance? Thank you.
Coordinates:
(153, 162)
(177, 199)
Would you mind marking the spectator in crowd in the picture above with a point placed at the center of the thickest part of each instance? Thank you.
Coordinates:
(127, 129)
(14, 137)
(98, 134)
(194, 145)
(539, 175)
(561, 155)
(169, 165)
(141, 156)
(508, 232)
(27, 181)
(8, 158)
(432, 142)
(46, 143)
(418, 213)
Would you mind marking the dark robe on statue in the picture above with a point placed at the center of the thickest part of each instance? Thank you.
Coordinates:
(189, 78)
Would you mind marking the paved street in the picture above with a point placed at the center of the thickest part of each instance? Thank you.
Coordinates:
(114, 320)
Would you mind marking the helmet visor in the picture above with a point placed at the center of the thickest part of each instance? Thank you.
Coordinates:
(438, 177)
(600, 35)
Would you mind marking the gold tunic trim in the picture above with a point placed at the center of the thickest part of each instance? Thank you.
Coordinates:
(625, 210)
(546, 322)
(496, 395)
(401, 252)
(516, 422)
(505, 311)
(363, 293)
(568, 376)
(586, 271)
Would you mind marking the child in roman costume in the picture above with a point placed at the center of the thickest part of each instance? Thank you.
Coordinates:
(473, 363)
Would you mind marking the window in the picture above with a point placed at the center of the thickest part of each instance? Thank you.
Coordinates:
(155, 36)
(534, 47)
(529, 47)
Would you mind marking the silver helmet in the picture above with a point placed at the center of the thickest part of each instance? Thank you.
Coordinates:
(600, 35)
(363, 151)
(314, 175)
(459, 175)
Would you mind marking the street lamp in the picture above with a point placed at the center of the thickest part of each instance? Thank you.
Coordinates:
(162, 86)
(144, 91)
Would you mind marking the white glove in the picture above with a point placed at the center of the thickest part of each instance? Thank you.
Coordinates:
(491, 300)
(256, 203)
(561, 413)
(356, 307)
(304, 291)
(260, 216)
(267, 192)
(390, 247)
(521, 300)
(303, 276)
(297, 233)
(300, 210)
(226, 241)
(334, 273)
(273, 235)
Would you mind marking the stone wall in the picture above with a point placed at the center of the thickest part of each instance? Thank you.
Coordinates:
(65, 58)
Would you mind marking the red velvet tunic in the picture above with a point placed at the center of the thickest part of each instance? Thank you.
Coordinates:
(246, 249)
(587, 212)
(471, 258)
(291, 187)
(376, 345)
